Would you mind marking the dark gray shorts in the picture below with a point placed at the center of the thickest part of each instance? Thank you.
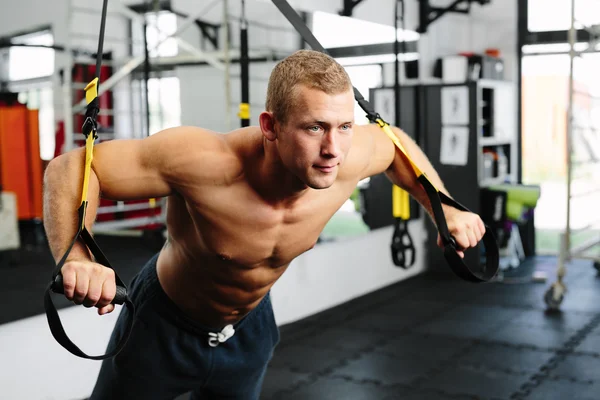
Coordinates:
(169, 354)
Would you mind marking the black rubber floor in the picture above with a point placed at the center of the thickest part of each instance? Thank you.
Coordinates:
(430, 338)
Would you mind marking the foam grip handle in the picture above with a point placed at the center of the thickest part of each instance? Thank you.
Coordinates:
(120, 296)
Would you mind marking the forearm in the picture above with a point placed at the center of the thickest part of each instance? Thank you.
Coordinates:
(63, 182)
(402, 174)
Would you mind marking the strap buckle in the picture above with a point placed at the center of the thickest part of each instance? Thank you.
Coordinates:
(90, 125)
(378, 120)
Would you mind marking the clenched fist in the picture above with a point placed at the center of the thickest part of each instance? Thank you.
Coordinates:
(467, 229)
(90, 284)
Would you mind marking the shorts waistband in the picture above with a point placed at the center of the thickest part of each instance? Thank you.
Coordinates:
(172, 310)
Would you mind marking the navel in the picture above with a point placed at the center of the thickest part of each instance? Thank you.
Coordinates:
(223, 257)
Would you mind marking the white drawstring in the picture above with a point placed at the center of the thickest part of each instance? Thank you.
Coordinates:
(220, 337)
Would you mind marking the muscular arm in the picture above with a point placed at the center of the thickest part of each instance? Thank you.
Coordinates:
(384, 156)
(157, 166)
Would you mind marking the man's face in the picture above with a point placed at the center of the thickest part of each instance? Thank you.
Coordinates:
(317, 136)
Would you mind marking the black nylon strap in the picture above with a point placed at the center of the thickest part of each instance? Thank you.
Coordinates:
(244, 66)
(56, 284)
(456, 263)
(436, 198)
(61, 337)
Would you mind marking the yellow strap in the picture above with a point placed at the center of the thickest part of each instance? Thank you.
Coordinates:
(244, 111)
(386, 128)
(400, 198)
(89, 156)
(152, 202)
(400, 203)
(91, 90)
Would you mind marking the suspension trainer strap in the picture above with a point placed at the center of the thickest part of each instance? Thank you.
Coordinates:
(244, 113)
(436, 198)
(402, 247)
(56, 284)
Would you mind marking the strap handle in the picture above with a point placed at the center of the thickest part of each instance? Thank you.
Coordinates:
(56, 284)
(403, 249)
(436, 197)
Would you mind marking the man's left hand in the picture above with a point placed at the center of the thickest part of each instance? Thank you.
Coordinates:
(467, 228)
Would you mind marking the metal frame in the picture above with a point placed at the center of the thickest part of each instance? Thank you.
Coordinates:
(371, 49)
(428, 14)
(571, 36)
(527, 37)
(71, 109)
(349, 7)
(554, 296)
(522, 20)
(573, 130)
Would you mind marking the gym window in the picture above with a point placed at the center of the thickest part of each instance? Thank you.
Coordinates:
(160, 25)
(165, 103)
(163, 86)
(29, 71)
(555, 15)
(31, 62)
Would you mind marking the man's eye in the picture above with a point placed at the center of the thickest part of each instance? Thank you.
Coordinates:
(315, 128)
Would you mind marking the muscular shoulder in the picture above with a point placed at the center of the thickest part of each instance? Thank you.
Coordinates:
(197, 156)
(371, 153)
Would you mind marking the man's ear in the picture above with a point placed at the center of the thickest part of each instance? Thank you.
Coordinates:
(267, 125)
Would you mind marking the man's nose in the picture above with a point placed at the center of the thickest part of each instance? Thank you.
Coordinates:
(330, 146)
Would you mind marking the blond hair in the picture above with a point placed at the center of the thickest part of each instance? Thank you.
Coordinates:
(310, 68)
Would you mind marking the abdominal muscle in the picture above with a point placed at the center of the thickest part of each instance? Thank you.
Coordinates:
(213, 291)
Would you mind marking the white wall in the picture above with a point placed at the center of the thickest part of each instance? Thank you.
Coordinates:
(206, 104)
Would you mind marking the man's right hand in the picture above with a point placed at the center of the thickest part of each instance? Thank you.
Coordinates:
(90, 284)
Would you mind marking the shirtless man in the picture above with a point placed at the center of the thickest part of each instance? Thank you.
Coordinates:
(241, 207)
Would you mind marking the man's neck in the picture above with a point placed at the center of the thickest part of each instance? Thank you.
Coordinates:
(277, 184)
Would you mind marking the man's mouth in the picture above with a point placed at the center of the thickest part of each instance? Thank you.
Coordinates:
(325, 168)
